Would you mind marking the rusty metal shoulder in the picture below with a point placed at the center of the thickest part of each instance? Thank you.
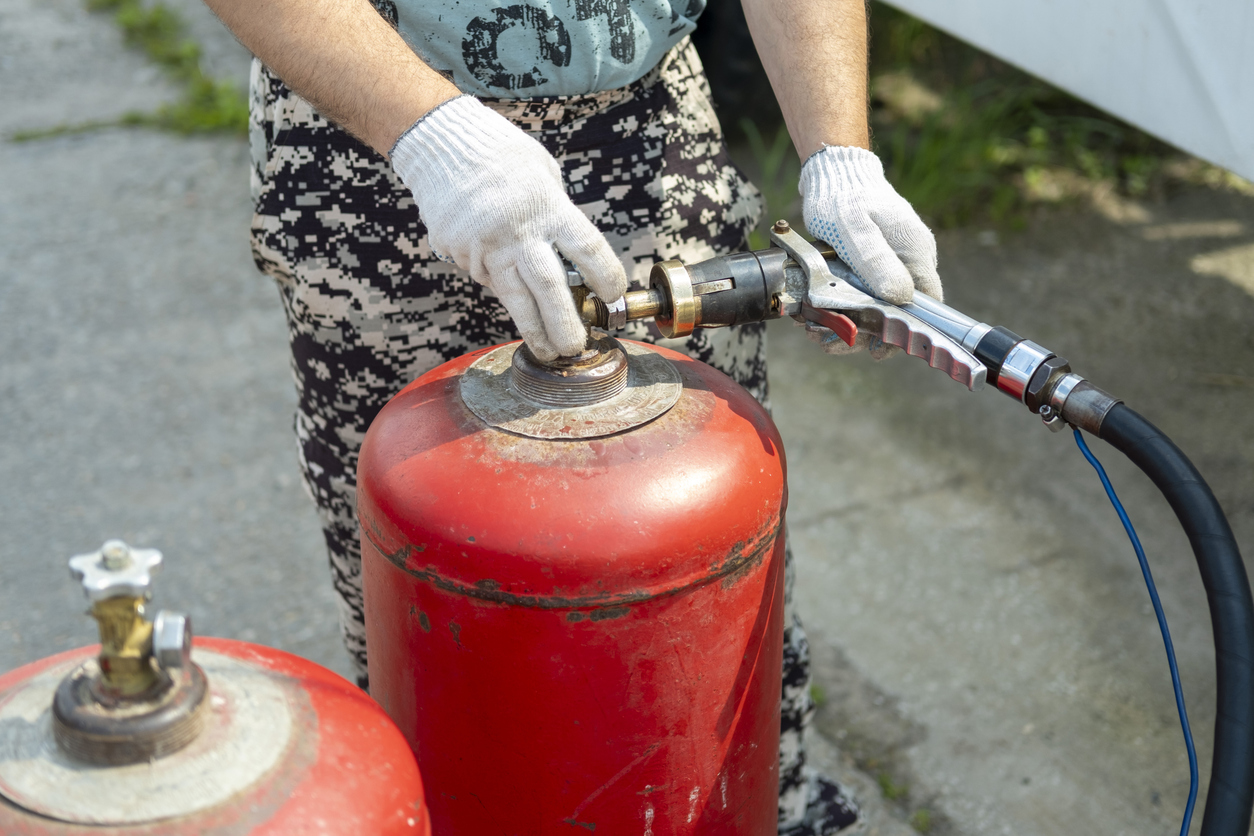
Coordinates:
(739, 560)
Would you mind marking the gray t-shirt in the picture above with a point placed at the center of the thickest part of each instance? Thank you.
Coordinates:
(542, 47)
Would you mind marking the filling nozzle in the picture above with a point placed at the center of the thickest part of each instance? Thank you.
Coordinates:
(768, 284)
(716, 293)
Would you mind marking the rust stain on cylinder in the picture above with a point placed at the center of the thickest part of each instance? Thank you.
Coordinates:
(738, 561)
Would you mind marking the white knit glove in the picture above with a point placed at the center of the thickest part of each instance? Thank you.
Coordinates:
(847, 202)
(493, 202)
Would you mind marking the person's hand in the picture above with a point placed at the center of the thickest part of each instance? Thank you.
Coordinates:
(847, 202)
(493, 202)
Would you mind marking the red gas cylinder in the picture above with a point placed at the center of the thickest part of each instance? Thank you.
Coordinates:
(574, 592)
(233, 738)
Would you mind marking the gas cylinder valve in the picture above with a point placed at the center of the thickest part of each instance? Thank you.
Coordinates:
(141, 697)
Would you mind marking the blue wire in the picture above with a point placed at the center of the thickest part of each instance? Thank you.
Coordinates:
(1162, 626)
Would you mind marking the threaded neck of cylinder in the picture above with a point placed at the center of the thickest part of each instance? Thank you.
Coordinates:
(597, 375)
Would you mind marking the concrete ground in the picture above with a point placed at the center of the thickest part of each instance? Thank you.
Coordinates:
(143, 371)
(985, 654)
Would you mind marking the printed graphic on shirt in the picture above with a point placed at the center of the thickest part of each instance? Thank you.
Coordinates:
(481, 49)
(618, 18)
(542, 47)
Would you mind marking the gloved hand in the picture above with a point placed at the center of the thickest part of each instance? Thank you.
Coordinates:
(493, 202)
(847, 202)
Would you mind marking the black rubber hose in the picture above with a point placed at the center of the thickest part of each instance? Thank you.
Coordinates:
(1231, 792)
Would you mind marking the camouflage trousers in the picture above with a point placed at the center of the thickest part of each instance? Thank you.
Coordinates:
(370, 307)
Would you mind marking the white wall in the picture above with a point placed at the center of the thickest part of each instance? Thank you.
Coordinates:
(1182, 70)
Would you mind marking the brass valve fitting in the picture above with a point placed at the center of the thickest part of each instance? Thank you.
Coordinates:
(141, 697)
(118, 580)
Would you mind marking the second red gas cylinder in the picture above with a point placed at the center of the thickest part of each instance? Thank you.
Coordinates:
(575, 612)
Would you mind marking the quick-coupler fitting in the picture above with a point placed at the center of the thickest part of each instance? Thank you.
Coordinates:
(1022, 369)
(1042, 381)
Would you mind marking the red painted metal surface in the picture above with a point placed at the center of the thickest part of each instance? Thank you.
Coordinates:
(580, 635)
(347, 769)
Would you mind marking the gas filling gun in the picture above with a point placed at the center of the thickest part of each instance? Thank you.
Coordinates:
(798, 279)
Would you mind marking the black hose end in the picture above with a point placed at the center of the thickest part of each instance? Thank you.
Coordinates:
(1231, 790)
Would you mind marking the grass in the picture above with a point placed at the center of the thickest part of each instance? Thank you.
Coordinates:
(921, 819)
(892, 791)
(204, 105)
(776, 175)
(969, 139)
(817, 695)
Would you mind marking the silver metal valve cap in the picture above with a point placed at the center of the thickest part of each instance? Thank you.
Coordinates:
(172, 640)
(116, 570)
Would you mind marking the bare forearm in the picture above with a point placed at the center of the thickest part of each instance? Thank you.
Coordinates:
(344, 58)
(815, 54)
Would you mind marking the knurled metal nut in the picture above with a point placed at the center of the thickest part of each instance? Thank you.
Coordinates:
(172, 639)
